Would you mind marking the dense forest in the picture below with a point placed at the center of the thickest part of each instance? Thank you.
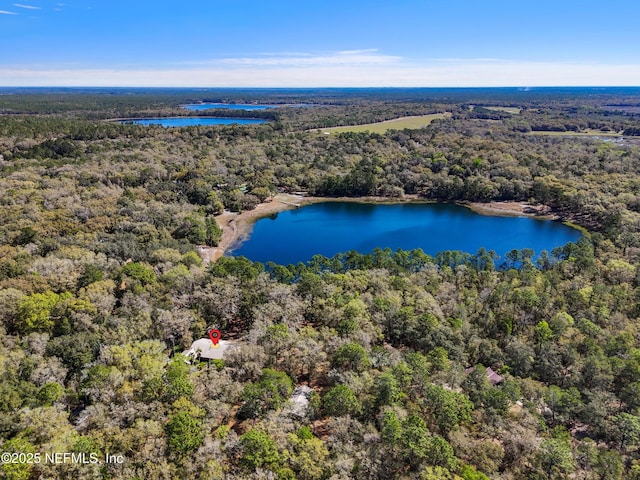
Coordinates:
(102, 288)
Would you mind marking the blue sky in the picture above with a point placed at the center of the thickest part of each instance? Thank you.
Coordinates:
(208, 43)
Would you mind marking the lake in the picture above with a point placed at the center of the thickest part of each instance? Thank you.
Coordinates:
(227, 106)
(332, 227)
(193, 121)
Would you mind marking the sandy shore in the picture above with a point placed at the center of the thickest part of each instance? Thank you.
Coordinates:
(237, 227)
(511, 209)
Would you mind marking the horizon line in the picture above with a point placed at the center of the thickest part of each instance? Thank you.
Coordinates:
(316, 87)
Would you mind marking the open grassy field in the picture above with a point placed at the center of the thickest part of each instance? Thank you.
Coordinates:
(395, 124)
(512, 110)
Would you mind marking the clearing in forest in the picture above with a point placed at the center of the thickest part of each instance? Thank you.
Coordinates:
(512, 110)
(395, 124)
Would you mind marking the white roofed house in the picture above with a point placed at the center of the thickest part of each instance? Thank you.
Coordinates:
(204, 349)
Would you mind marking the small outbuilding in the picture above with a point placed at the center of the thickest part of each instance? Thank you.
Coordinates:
(298, 405)
(493, 377)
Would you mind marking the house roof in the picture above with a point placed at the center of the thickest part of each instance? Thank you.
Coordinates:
(493, 377)
(205, 349)
(299, 401)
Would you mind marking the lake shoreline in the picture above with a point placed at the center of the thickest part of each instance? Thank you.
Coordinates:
(237, 227)
(519, 209)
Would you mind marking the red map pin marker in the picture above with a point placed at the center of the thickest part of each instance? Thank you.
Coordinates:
(215, 335)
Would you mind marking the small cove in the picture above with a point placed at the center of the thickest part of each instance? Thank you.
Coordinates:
(328, 228)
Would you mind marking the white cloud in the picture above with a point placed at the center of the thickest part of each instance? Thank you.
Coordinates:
(449, 73)
(355, 52)
(346, 57)
(5, 12)
(28, 7)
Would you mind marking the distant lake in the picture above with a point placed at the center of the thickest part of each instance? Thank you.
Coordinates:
(333, 227)
(227, 106)
(193, 121)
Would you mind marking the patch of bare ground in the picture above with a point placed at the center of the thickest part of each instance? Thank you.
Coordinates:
(237, 226)
(511, 209)
(321, 428)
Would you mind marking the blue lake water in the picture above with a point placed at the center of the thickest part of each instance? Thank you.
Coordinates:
(227, 106)
(193, 121)
(332, 227)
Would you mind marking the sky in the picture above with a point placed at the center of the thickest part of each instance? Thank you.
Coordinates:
(321, 43)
